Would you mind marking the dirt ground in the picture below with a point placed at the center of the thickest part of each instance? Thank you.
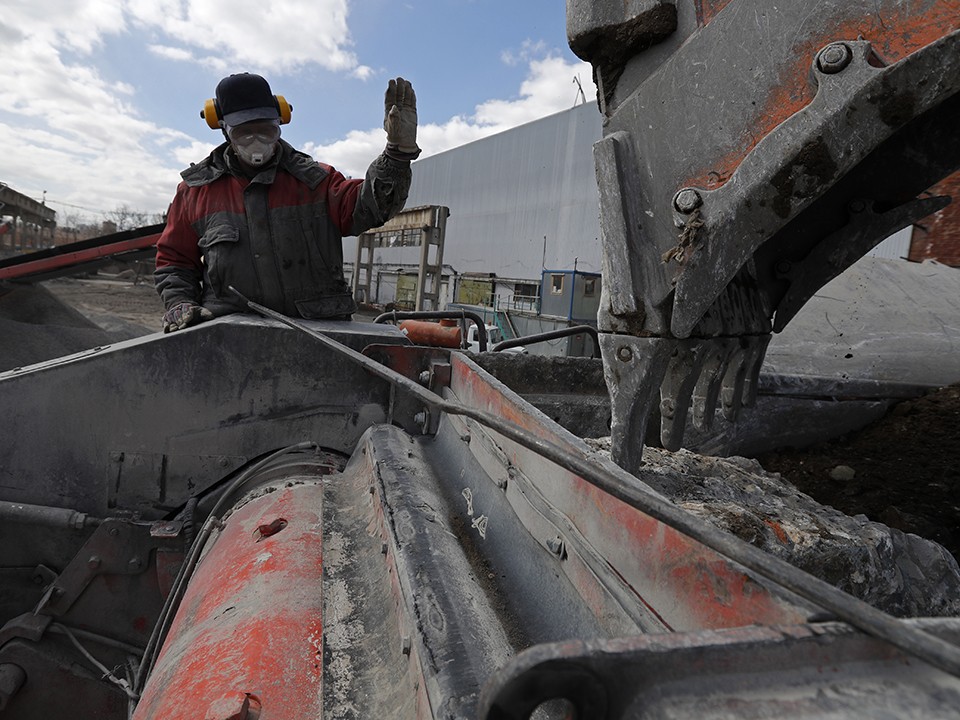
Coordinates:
(105, 298)
(903, 470)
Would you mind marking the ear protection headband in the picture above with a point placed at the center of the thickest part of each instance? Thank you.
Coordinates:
(211, 111)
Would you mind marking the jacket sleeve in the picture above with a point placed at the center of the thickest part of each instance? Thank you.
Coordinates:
(179, 269)
(383, 194)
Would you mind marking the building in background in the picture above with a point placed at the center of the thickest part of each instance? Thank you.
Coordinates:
(523, 233)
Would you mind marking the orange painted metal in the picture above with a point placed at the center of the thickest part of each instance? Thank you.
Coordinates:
(686, 585)
(24, 266)
(247, 639)
(706, 10)
(895, 33)
(424, 332)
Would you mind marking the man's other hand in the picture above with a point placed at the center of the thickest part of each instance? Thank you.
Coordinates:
(183, 315)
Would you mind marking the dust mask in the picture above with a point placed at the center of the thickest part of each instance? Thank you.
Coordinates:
(255, 142)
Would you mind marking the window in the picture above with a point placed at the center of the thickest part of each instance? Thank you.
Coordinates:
(527, 291)
(556, 284)
(589, 287)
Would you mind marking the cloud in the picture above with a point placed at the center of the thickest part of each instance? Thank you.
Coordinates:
(548, 88)
(76, 131)
(529, 50)
(245, 32)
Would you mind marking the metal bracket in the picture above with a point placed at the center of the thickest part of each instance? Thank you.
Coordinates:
(116, 547)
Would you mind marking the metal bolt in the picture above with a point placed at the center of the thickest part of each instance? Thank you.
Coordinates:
(834, 58)
(234, 706)
(687, 200)
(420, 418)
(223, 461)
(93, 562)
(783, 267)
(624, 353)
(555, 545)
(857, 206)
(114, 532)
(135, 564)
(667, 408)
(425, 377)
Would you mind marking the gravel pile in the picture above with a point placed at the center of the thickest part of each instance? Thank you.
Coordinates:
(36, 326)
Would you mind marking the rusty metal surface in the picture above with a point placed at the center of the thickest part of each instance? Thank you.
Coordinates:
(678, 583)
(249, 631)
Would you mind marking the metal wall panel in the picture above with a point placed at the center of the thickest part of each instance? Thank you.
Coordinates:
(519, 201)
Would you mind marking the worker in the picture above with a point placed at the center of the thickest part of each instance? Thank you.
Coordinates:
(266, 219)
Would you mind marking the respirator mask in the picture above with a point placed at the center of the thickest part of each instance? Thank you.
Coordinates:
(255, 142)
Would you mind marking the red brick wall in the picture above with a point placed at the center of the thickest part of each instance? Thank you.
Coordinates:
(937, 236)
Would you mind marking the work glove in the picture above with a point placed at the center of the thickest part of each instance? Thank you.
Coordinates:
(183, 315)
(400, 120)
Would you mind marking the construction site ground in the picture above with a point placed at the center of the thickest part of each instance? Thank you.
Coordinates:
(902, 470)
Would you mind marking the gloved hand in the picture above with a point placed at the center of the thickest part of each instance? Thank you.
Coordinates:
(400, 120)
(183, 315)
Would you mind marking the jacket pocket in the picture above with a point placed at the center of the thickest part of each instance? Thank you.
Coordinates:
(331, 306)
(218, 248)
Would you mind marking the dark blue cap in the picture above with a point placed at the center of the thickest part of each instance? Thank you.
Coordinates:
(244, 97)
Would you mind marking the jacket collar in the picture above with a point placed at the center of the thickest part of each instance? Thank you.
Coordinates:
(303, 167)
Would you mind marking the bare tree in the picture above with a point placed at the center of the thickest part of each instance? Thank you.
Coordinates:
(126, 218)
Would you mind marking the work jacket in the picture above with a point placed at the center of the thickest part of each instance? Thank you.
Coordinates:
(275, 237)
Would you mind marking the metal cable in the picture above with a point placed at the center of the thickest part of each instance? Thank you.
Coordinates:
(107, 674)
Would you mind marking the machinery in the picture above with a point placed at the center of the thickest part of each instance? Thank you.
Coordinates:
(264, 518)
(752, 151)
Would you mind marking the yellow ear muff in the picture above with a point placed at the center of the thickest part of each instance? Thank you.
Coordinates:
(285, 108)
(210, 114)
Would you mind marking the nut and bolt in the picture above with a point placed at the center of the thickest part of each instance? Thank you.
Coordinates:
(687, 200)
(668, 408)
(93, 562)
(556, 546)
(420, 418)
(783, 267)
(834, 58)
(234, 706)
(425, 377)
(135, 564)
(624, 353)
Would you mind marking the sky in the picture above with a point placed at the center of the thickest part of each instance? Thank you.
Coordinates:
(100, 99)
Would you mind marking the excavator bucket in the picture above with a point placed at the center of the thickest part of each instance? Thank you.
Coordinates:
(751, 152)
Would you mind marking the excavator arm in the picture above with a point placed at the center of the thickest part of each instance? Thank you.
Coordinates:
(751, 152)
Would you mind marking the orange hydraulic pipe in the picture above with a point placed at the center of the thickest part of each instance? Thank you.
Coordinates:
(424, 332)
